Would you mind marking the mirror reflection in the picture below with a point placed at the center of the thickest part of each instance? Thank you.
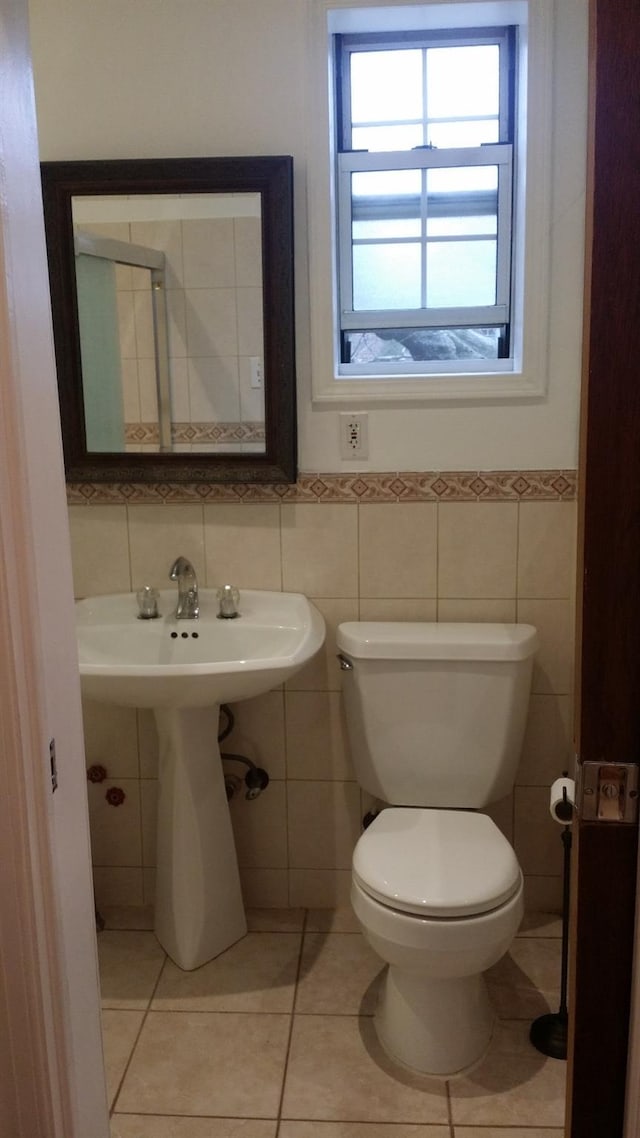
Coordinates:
(170, 302)
(172, 297)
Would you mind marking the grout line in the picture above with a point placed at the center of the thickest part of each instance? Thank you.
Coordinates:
(291, 1019)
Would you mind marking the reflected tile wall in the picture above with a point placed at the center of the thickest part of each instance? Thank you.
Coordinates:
(453, 560)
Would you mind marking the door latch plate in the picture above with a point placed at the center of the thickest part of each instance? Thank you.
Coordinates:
(609, 792)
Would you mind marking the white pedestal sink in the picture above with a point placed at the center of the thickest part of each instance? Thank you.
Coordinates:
(184, 670)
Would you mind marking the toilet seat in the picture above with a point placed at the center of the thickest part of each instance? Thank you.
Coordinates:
(436, 863)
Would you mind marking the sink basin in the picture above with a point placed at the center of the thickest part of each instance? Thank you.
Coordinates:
(193, 663)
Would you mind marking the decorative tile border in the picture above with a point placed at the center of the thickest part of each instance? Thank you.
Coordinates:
(148, 434)
(425, 486)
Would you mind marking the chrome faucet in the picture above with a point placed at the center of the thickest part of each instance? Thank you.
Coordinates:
(183, 572)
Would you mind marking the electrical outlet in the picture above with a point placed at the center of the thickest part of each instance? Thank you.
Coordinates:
(257, 376)
(354, 434)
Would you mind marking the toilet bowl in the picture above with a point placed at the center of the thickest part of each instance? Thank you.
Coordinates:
(438, 895)
(435, 717)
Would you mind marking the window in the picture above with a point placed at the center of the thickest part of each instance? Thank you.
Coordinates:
(424, 155)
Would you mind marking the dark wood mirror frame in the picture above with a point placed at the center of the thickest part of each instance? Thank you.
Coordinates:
(272, 178)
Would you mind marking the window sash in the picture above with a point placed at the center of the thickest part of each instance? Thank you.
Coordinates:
(499, 155)
(382, 41)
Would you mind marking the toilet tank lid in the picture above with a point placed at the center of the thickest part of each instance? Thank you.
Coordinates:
(424, 640)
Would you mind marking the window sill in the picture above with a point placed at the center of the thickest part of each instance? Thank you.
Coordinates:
(452, 387)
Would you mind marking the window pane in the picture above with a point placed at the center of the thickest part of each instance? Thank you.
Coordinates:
(465, 179)
(462, 226)
(386, 276)
(461, 273)
(422, 344)
(385, 183)
(386, 85)
(463, 81)
(373, 229)
(443, 134)
(401, 137)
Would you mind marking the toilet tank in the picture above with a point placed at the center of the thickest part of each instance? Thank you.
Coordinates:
(436, 712)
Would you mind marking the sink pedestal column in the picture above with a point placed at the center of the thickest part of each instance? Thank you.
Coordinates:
(199, 908)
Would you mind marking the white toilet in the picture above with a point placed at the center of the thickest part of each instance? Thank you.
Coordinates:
(435, 716)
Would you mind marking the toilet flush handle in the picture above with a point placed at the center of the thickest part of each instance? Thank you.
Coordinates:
(345, 664)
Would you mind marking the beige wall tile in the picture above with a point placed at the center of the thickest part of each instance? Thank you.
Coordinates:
(322, 673)
(547, 749)
(99, 549)
(477, 549)
(147, 390)
(553, 666)
(149, 819)
(317, 745)
(389, 608)
(147, 744)
(248, 250)
(250, 332)
(265, 888)
(319, 550)
(149, 885)
(546, 549)
(324, 824)
(207, 252)
(320, 888)
(211, 322)
(214, 389)
(118, 885)
(159, 534)
(260, 827)
(115, 830)
(165, 236)
(542, 894)
(242, 546)
(143, 317)
(477, 610)
(259, 734)
(537, 838)
(110, 738)
(398, 550)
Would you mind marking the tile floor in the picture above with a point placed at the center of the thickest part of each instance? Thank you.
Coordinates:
(275, 1039)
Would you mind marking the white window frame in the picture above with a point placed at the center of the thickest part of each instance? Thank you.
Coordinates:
(525, 374)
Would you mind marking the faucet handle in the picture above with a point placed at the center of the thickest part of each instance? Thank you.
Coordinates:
(229, 598)
(147, 598)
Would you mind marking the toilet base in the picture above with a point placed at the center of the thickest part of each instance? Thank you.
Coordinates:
(434, 1026)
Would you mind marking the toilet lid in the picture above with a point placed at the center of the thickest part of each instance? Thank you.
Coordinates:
(437, 863)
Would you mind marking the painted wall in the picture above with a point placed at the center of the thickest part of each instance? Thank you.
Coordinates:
(154, 79)
(232, 77)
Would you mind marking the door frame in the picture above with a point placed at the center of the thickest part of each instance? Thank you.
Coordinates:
(603, 931)
(51, 1069)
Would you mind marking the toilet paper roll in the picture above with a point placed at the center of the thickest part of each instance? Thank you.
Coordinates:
(562, 807)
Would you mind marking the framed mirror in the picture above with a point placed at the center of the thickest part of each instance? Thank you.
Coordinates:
(173, 318)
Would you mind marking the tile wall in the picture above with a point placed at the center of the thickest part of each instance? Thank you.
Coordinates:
(428, 560)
